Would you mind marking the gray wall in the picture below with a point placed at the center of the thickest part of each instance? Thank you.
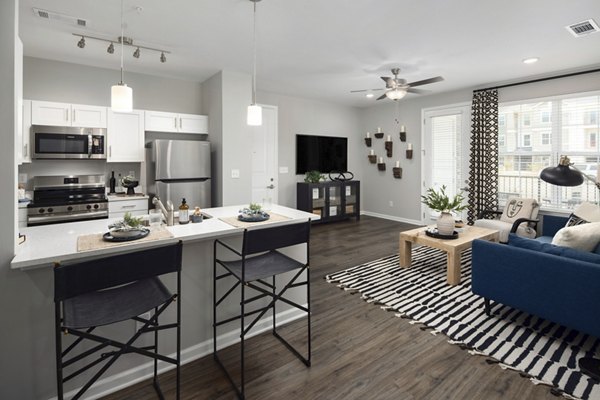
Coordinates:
(212, 105)
(405, 192)
(16, 328)
(298, 115)
(81, 84)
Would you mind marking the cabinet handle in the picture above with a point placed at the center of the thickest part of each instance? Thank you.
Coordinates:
(67, 114)
(25, 149)
(110, 151)
(131, 206)
(180, 123)
(175, 120)
(74, 119)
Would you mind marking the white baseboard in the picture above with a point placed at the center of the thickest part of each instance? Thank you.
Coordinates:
(145, 371)
(392, 217)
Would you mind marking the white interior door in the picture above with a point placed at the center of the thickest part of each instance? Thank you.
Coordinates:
(264, 158)
(445, 153)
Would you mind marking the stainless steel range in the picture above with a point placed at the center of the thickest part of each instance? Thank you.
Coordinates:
(67, 198)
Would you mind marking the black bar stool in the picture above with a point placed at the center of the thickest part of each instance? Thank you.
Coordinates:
(109, 290)
(259, 260)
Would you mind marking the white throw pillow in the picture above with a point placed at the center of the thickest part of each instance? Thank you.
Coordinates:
(517, 208)
(581, 237)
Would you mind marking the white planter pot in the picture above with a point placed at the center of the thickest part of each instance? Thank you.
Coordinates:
(445, 224)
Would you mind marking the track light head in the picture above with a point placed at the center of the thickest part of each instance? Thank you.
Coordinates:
(81, 43)
(111, 48)
(163, 58)
(136, 53)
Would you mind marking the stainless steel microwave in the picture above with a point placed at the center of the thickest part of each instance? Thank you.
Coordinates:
(58, 142)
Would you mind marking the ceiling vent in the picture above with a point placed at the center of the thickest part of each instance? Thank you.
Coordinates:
(62, 18)
(583, 28)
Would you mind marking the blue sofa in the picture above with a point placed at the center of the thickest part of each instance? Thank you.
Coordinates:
(532, 275)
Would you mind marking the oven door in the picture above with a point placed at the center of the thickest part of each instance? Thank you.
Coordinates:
(67, 142)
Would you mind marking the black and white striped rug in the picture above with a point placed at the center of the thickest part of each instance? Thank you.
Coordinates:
(544, 351)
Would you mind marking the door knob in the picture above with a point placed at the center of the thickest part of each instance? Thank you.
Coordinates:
(271, 186)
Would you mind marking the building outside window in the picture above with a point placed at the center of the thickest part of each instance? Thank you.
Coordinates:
(535, 134)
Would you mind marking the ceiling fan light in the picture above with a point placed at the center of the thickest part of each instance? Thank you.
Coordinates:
(254, 117)
(395, 94)
(121, 98)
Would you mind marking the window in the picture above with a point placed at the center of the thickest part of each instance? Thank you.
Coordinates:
(501, 120)
(546, 117)
(546, 138)
(536, 133)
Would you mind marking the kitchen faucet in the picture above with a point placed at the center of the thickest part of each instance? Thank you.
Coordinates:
(168, 212)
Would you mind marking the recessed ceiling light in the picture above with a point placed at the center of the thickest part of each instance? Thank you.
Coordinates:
(369, 95)
(530, 60)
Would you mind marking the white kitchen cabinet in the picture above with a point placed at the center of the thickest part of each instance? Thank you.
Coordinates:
(19, 126)
(159, 121)
(22, 217)
(191, 123)
(117, 207)
(125, 136)
(64, 114)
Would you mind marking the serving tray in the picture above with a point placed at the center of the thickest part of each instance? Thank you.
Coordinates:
(254, 218)
(434, 234)
(110, 238)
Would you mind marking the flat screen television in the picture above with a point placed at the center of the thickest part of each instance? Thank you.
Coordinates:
(322, 153)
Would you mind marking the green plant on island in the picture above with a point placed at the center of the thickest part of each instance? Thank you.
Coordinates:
(439, 201)
(314, 177)
(255, 207)
(129, 222)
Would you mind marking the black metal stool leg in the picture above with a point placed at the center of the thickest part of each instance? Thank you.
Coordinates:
(58, 333)
(242, 336)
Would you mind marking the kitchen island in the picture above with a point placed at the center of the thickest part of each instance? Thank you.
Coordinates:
(47, 244)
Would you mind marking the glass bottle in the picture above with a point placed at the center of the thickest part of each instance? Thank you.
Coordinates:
(184, 212)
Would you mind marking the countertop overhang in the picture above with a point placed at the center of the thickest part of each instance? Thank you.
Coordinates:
(48, 244)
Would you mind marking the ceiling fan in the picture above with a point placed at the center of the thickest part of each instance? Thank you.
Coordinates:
(396, 88)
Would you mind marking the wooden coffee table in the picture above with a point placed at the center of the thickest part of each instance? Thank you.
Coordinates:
(452, 247)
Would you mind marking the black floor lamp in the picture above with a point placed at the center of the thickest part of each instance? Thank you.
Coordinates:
(566, 174)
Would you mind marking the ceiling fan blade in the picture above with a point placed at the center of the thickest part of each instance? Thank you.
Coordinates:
(426, 81)
(383, 96)
(365, 90)
(417, 91)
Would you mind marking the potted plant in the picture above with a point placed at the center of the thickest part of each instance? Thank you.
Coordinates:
(439, 201)
(313, 177)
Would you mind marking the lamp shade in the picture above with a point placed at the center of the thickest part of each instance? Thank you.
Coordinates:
(121, 98)
(254, 115)
(396, 94)
(561, 175)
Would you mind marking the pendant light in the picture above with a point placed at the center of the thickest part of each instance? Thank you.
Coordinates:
(254, 117)
(121, 95)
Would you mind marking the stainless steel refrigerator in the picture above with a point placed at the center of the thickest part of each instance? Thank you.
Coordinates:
(177, 169)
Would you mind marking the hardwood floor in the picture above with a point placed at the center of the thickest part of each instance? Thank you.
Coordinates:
(359, 350)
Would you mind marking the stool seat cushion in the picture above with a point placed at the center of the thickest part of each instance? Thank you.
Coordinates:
(262, 266)
(116, 304)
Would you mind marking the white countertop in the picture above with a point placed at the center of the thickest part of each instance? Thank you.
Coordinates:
(52, 243)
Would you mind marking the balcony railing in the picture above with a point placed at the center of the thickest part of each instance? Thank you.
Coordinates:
(549, 196)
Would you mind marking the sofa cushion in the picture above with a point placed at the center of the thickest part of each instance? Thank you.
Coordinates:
(581, 237)
(536, 245)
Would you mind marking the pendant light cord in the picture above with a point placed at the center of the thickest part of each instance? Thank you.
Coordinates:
(121, 42)
(254, 59)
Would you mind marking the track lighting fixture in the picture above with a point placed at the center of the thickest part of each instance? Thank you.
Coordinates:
(123, 41)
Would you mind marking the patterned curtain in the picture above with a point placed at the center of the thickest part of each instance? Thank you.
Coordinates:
(483, 162)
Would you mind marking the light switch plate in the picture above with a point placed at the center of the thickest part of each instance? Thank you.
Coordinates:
(235, 173)
(283, 170)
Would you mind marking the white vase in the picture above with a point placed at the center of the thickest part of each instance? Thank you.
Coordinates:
(445, 224)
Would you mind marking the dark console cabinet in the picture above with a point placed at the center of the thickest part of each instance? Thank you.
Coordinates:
(333, 201)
